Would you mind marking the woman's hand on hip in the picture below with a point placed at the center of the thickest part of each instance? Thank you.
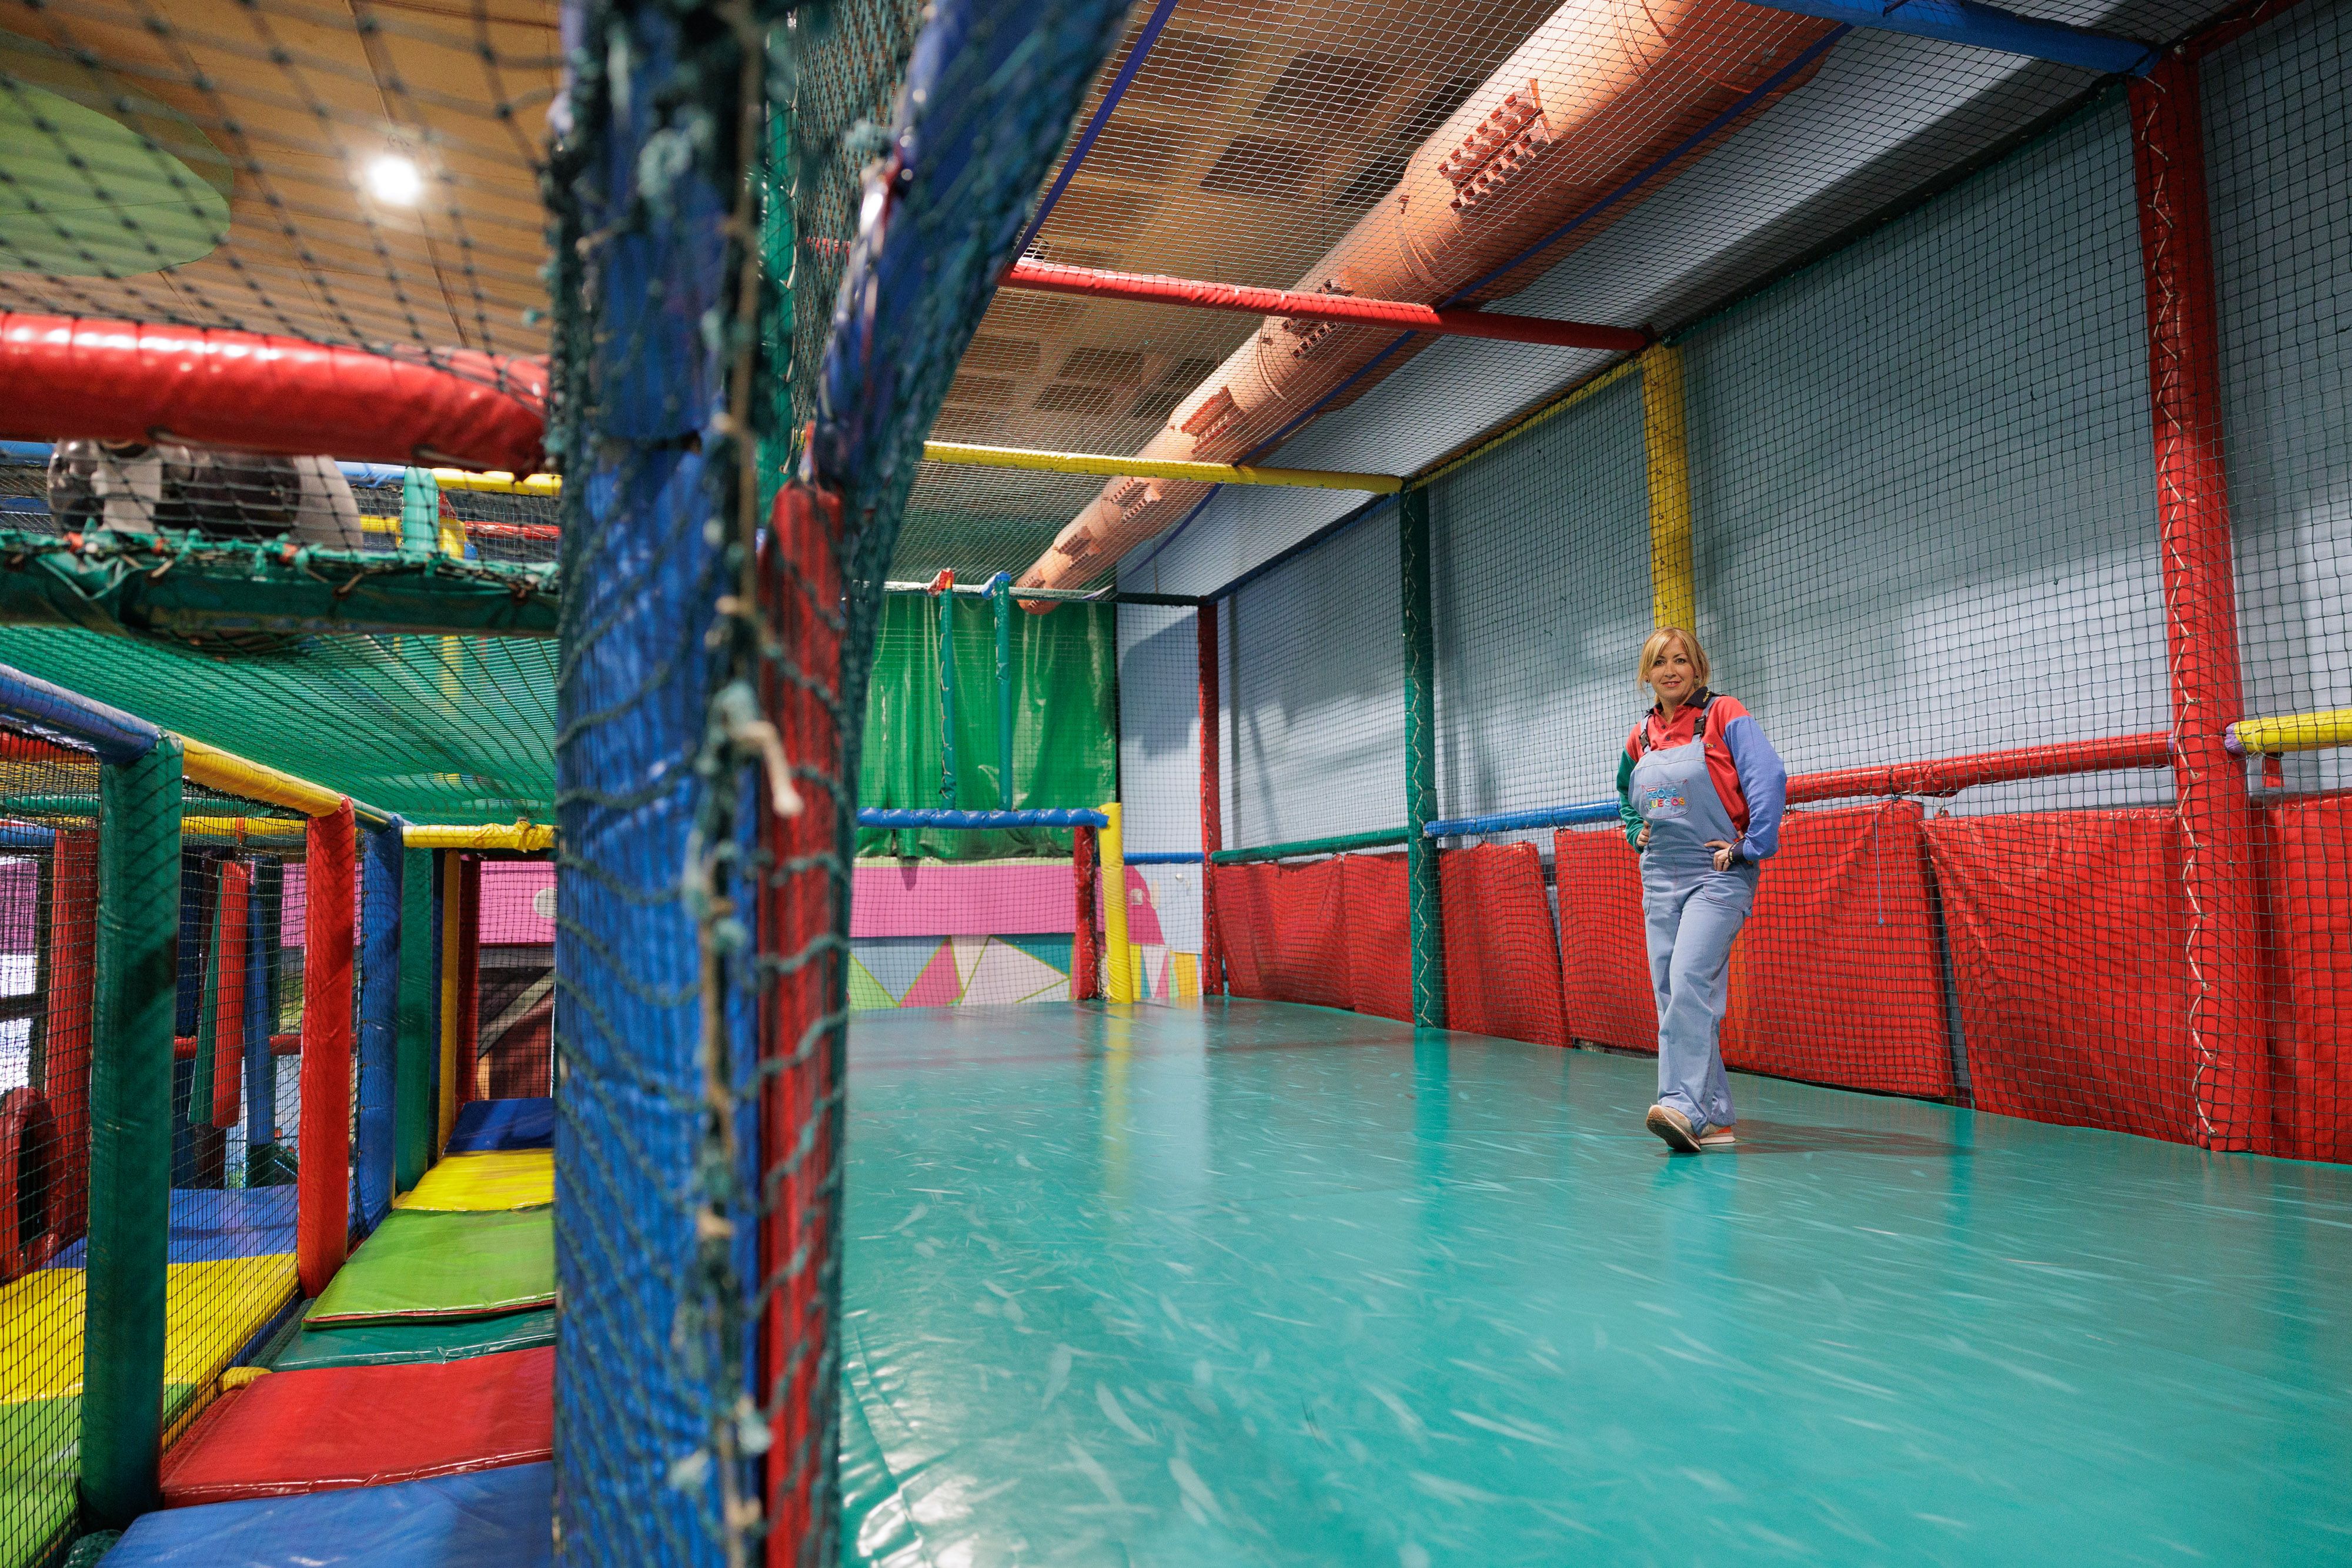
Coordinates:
(1725, 855)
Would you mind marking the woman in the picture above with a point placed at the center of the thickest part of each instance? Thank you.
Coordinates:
(1700, 790)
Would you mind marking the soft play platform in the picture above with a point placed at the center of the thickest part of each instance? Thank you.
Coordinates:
(489, 1519)
(416, 1343)
(214, 1225)
(517, 1178)
(485, 1126)
(291, 1432)
(424, 1265)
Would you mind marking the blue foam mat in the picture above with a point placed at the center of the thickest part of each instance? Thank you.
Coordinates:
(486, 1126)
(489, 1519)
(211, 1224)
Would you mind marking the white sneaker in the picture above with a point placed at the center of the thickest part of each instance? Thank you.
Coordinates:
(1674, 1127)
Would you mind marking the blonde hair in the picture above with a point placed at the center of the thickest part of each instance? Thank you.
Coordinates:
(1654, 648)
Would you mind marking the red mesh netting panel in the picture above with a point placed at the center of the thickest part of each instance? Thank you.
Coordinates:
(2311, 910)
(2068, 934)
(1835, 980)
(1501, 959)
(1285, 932)
(1379, 943)
(1605, 963)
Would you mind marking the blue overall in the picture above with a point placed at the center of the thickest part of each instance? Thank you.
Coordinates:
(1693, 911)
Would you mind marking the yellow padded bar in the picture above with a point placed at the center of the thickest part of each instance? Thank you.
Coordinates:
(1144, 468)
(531, 837)
(499, 484)
(2296, 732)
(486, 1183)
(232, 775)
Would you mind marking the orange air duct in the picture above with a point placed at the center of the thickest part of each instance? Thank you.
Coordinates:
(1600, 92)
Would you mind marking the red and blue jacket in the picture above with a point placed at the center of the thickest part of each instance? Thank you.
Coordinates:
(1747, 774)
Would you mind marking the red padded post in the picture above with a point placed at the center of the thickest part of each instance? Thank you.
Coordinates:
(228, 998)
(323, 1202)
(1084, 973)
(470, 974)
(802, 926)
(65, 1062)
(2200, 622)
(1213, 817)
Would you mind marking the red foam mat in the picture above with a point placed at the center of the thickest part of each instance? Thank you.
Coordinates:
(1605, 964)
(293, 1432)
(1501, 960)
(2311, 943)
(1835, 979)
(2068, 937)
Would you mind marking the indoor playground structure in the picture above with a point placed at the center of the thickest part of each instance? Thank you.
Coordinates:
(836, 781)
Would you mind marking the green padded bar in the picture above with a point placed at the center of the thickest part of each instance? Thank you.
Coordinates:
(416, 1343)
(417, 1040)
(422, 1264)
(131, 1132)
(1424, 904)
(112, 584)
(1298, 848)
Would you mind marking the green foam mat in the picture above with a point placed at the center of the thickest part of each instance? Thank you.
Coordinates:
(415, 1342)
(424, 1265)
(39, 1439)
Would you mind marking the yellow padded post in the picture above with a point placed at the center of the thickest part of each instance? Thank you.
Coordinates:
(1118, 961)
(1665, 438)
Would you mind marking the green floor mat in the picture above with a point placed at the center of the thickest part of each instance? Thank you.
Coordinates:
(421, 1264)
(40, 1440)
(411, 1343)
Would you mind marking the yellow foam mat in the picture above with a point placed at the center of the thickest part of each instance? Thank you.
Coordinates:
(513, 1178)
(210, 1311)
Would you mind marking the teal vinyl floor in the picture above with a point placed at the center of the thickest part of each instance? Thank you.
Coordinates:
(1258, 1283)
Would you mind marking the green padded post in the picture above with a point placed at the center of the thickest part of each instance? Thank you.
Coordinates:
(947, 701)
(1422, 901)
(999, 592)
(418, 1040)
(138, 964)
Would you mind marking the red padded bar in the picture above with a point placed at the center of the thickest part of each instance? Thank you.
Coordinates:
(1836, 979)
(228, 1005)
(130, 380)
(1950, 775)
(1604, 962)
(2068, 934)
(1094, 283)
(294, 1432)
(1502, 958)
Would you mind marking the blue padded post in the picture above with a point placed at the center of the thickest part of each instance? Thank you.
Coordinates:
(382, 853)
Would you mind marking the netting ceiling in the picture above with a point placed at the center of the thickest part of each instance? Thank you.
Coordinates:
(360, 172)
(1255, 136)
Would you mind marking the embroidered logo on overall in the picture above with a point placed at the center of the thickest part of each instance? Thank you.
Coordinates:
(1665, 801)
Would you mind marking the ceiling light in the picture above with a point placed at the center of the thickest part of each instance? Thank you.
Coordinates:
(396, 180)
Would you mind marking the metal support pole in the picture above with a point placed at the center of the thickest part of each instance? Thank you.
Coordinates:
(1000, 592)
(2225, 992)
(1424, 903)
(1213, 815)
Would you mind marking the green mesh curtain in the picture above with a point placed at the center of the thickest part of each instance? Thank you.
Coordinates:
(1065, 736)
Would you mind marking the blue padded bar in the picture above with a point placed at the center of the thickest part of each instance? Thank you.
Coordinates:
(1163, 857)
(1040, 817)
(1985, 27)
(1512, 821)
(114, 735)
(25, 836)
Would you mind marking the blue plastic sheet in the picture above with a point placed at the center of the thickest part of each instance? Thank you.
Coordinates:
(212, 1224)
(487, 1519)
(488, 1126)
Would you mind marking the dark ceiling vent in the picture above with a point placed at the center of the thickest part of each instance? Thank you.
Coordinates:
(1185, 69)
(1328, 91)
(1116, 366)
(1382, 171)
(1011, 355)
(1261, 166)
(1065, 397)
(989, 392)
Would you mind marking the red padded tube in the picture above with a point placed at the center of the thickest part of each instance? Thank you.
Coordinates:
(1212, 821)
(65, 1063)
(130, 380)
(470, 974)
(228, 1004)
(322, 1207)
(1950, 775)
